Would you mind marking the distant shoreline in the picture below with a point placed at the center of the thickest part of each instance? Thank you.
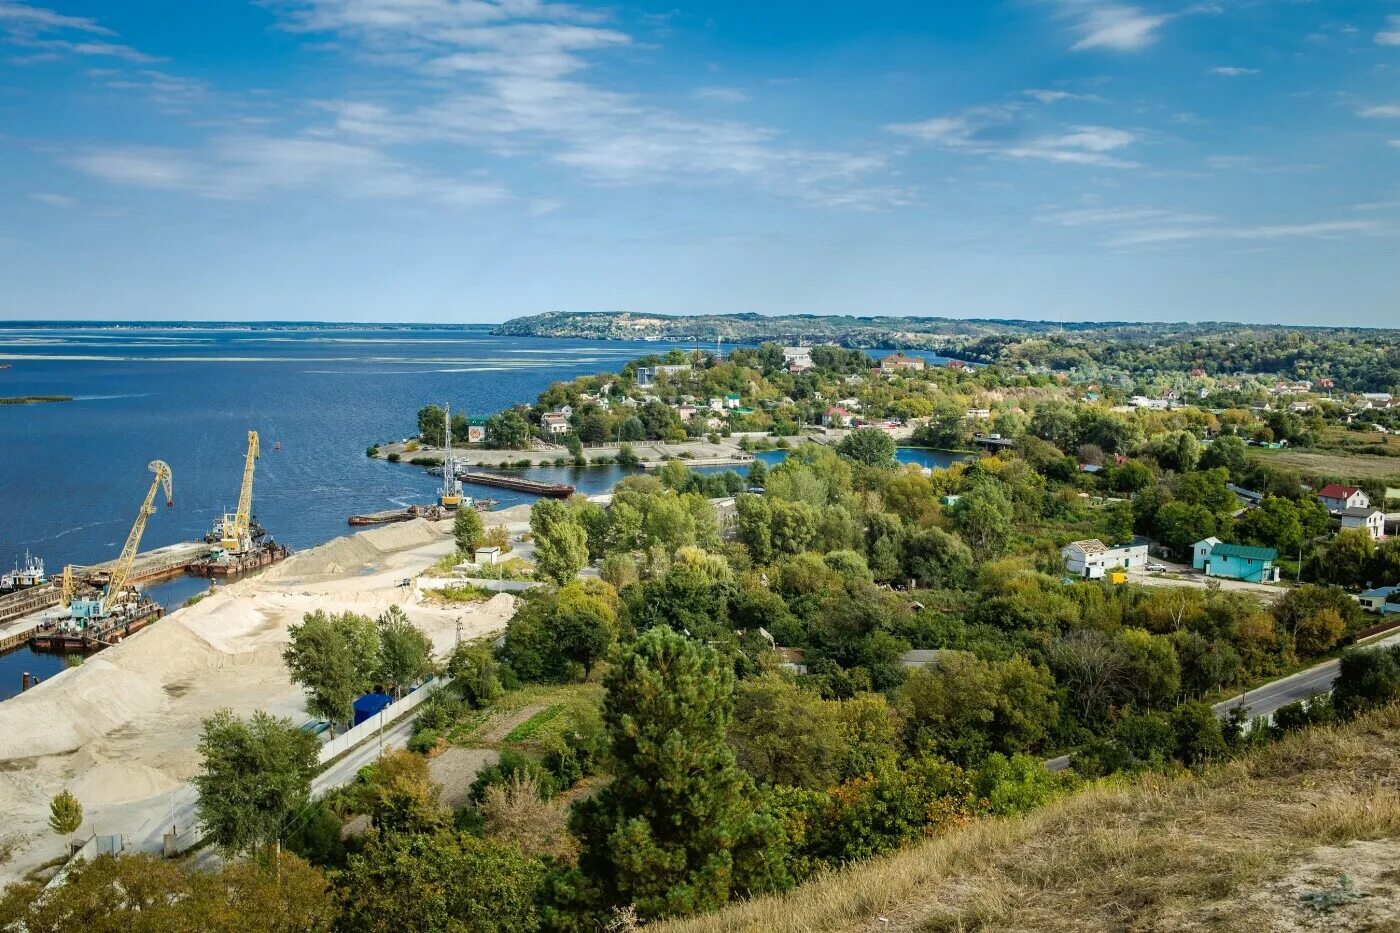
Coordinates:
(34, 399)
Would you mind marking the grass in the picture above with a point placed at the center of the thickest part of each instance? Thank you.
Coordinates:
(1162, 852)
(534, 724)
(563, 705)
(1332, 463)
(459, 593)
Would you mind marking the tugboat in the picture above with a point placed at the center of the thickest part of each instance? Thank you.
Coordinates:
(23, 577)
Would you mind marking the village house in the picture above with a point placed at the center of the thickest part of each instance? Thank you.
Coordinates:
(836, 417)
(716, 404)
(686, 412)
(898, 362)
(731, 400)
(1338, 497)
(555, 422)
(1235, 561)
(646, 375)
(1092, 558)
(979, 414)
(1370, 519)
(1378, 600)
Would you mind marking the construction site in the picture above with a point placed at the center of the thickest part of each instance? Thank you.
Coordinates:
(93, 607)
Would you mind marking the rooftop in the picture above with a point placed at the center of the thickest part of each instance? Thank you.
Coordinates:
(1244, 552)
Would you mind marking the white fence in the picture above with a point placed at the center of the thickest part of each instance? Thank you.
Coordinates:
(352, 737)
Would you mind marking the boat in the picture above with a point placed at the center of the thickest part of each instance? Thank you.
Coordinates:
(432, 513)
(88, 635)
(25, 576)
(518, 484)
(223, 564)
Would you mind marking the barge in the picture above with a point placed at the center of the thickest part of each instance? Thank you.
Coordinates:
(71, 636)
(551, 490)
(432, 513)
(222, 564)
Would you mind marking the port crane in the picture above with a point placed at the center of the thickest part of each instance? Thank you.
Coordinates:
(121, 570)
(451, 497)
(235, 536)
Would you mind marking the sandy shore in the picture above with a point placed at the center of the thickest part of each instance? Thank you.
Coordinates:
(120, 731)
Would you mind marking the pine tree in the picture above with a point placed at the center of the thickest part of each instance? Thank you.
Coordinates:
(677, 831)
(65, 814)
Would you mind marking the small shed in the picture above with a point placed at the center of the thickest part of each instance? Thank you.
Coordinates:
(370, 705)
(487, 556)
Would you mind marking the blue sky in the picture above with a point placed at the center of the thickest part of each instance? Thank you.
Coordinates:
(474, 160)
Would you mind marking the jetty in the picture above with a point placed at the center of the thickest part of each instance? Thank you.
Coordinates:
(152, 566)
(519, 484)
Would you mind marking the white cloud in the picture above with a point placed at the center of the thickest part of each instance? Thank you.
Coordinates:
(1380, 111)
(1333, 229)
(1119, 217)
(1112, 26)
(1231, 71)
(722, 95)
(991, 131)
(20, 17)
(1395, 143)
(519, 86)
(1391, 34)
(53, 200)
(248, 167)
(1054, 96)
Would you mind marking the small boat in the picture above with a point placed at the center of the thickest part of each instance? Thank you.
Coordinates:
(25, 576)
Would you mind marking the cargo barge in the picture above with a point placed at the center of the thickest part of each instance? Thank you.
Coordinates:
(517, 484)
(69, 636)
(230, 565)
(432, 513)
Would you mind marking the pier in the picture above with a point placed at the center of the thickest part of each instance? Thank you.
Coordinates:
(152, 566)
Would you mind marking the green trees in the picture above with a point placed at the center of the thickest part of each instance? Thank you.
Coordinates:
(557, 634)
(65, 814)
(561, 542)
(444, 880)
(467, 529)
(432, 425)
(677, 830)
(1347, 558)
(585, 625)
(1176, 450)
(783, 735)
(405, 653)
(869, 446)
(508, 430)
(983, 516)
(937, 559)
(255, 776)
(333, 657)
(1226, 451)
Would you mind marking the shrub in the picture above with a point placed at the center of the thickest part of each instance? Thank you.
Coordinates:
(393, 457)
(514, 766)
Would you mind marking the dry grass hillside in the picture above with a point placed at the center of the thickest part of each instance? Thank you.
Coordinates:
(1303, 835)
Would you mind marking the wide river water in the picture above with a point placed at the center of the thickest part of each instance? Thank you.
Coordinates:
(73, 473)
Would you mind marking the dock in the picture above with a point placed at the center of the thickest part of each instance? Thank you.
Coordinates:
(25, 602)
(151, 566)
(518, 484)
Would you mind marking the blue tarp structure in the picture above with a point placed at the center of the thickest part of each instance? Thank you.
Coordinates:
(370, 704)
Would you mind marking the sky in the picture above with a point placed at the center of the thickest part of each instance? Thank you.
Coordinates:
(477, 160)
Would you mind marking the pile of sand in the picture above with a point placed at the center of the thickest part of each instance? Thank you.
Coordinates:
(357, 552)
(102, 781)
(75, 707)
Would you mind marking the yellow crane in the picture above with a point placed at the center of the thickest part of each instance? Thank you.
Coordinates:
(121, 572)
(66, 598)
(237, 538)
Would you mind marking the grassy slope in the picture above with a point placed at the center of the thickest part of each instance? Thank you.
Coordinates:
(1159, 853)
(1331, 463)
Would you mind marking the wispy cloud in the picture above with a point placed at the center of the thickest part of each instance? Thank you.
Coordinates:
(993, 131)
(248, 167)
(1380, 111)
(520, 85)
(1232, 71)
(53, 200)
(723, 95)
(1322, 230)
(1119, 217)
(31, 27)
(1391, 34)
(1053, 96)
(21, 17)
(1119, 27)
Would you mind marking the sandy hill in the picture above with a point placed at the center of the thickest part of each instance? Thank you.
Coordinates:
(1303, 835)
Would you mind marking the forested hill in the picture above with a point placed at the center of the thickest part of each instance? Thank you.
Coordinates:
(1363, 359)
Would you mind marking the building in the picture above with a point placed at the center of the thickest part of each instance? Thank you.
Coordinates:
(836, 417)
(1379, 600)
(1235, 561)
(1338, 497)
(1372, 520)
(898, 362)
(646, 375)
(1093, 559)
(476, 430)
(802, 356)
(555, 422)
(731, 400)
(487, 556)
(979, 414)
(686, 412)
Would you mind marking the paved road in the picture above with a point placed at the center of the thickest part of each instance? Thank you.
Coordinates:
(1266, 700)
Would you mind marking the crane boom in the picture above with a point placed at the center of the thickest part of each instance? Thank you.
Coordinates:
(236, 528)
(121, 572)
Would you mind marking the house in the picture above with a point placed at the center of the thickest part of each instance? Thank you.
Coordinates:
(792, 659)
(1338, 497)
(713, 424)
(1235, 561)
(716, 404)
(487, 556)
(731, 400)
(918, 657)
(686, 412)
(836, 417)
(979, 414)
(1372, 520)
(955, 364)
(898, 362)
(555, 422)
(566, 410)
(1247, 498)
(798, 366)
(1156, 404)
(646, 375)
(1092, 558)
(1378, 600)
(476, 430)
(800, 355)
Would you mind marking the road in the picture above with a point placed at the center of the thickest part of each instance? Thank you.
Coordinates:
(1266, 700)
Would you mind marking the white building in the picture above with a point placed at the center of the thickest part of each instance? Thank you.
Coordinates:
(1372, 520)
(555, 422)
(646, 375)
(1092, 558)
(1338, 498)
